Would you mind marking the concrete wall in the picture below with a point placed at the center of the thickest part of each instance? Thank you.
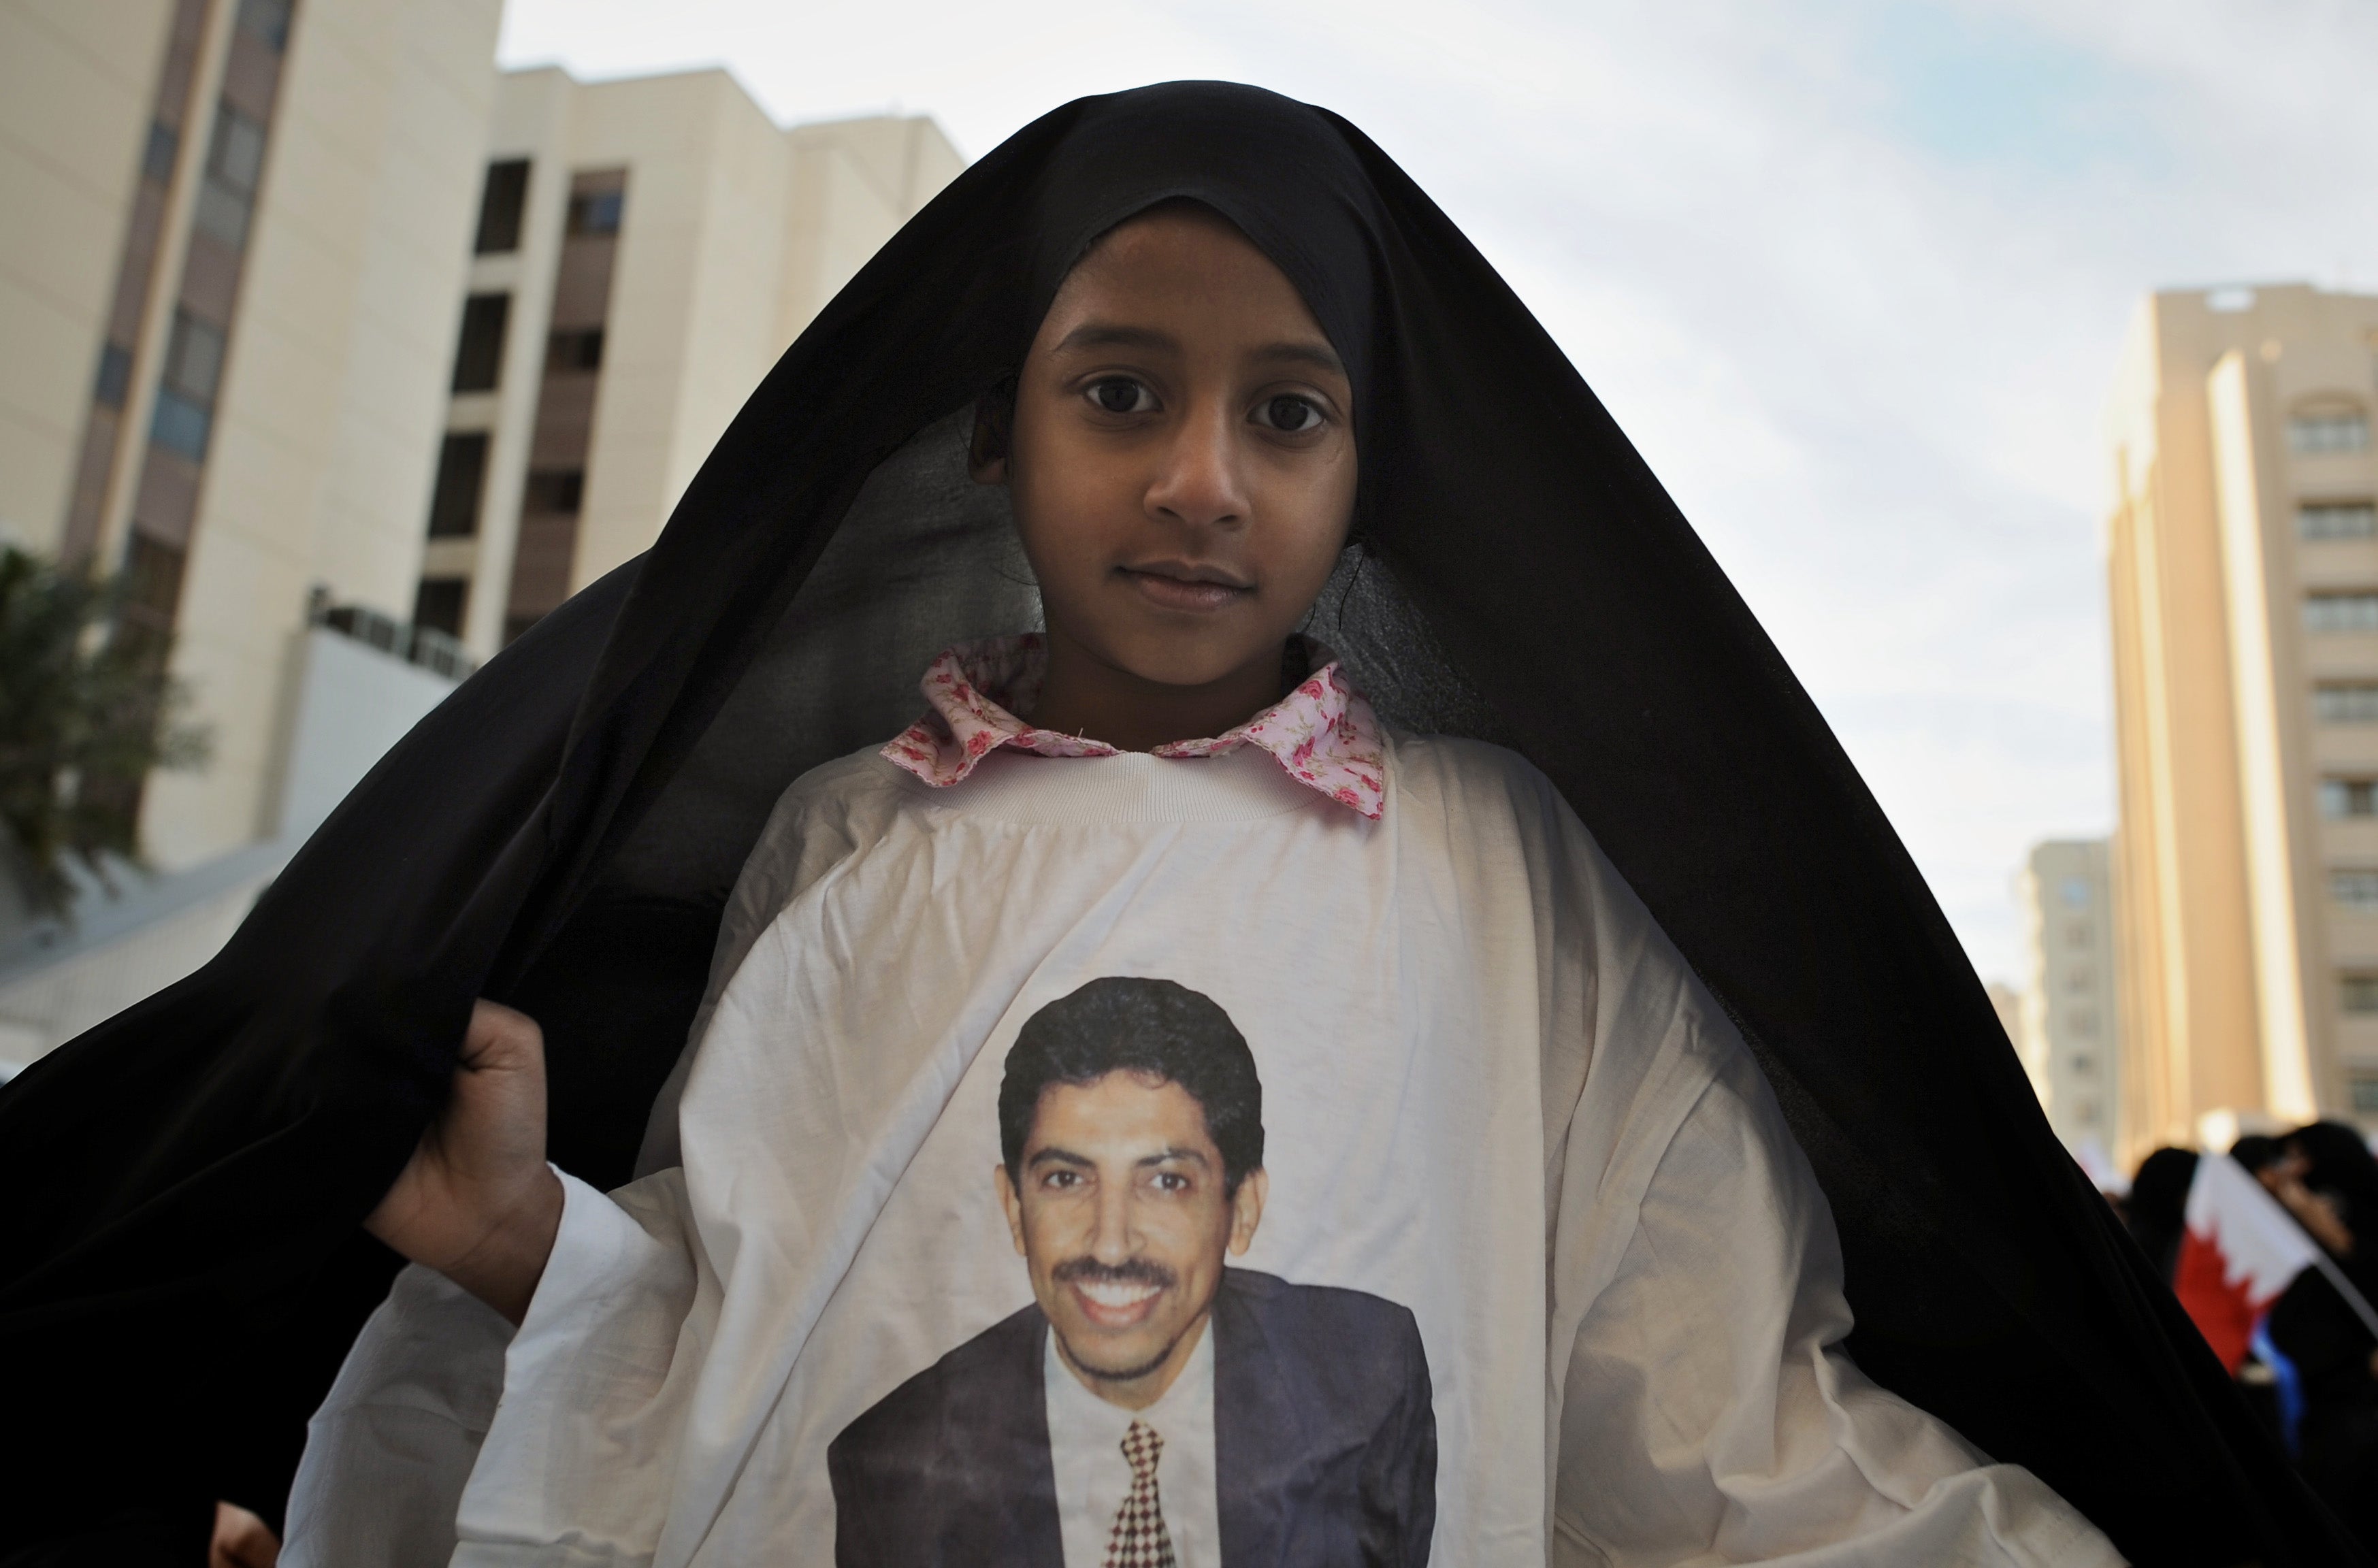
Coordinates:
(353, 703)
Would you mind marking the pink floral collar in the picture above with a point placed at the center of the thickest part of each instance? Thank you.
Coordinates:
(1322, 732)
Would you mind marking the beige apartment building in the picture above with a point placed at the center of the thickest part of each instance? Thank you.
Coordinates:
(2068, 1030)
(236, 231)
(645, 250)
(2243, 559)
(273, 269)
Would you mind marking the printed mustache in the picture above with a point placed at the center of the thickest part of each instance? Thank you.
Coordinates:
(1138, 1271)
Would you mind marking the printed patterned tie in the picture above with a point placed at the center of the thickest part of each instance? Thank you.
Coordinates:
(1140, 1539)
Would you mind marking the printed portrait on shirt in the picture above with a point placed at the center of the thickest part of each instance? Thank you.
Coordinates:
(1155, 1405)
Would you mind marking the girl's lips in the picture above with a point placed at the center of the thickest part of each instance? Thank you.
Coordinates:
(1184, 593)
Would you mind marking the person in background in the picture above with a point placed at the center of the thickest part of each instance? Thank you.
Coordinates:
(2268, 1378)
(2284, 1167)
(2258, 1151)
(2328, 1179)
(2156, 1211)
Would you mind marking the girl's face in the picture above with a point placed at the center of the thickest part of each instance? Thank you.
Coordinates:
(1182, 456)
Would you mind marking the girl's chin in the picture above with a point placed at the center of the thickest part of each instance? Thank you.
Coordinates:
(1186, 676)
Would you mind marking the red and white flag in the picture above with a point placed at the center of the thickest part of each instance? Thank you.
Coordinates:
(2240, 1253)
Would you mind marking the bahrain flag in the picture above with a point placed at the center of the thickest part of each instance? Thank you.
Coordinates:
(2240, 1251)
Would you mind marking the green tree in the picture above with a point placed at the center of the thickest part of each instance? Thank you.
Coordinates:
(87, 708)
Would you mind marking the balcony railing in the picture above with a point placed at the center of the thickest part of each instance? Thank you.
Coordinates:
(427, 646)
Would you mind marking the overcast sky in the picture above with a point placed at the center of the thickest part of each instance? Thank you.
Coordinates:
(1853, 275)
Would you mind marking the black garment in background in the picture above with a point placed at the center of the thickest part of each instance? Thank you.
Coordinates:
(2157, 1210)
(188, 1176)
(2339, 1168)
(2327, 1341)
(2337, 1440)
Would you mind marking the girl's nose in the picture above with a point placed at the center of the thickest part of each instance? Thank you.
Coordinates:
(1201, 483)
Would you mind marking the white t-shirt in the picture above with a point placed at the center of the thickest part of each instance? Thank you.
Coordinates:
(1502, 1120)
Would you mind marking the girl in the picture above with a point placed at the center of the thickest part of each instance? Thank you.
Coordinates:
(1162, 1107)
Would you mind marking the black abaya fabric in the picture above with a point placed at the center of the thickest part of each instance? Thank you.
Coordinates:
(562, 832)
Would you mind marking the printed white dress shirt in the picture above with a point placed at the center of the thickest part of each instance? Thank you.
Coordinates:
(1085, 1437)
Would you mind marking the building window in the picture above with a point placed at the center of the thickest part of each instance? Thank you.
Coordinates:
(194, 357)
(185, 415)
(2365, 1093)
(500, 204)
(152, 581)
(2077, 935)
(2359, 993)
(236, 156)
(181, 425)
(234, 163)
(2086, 1113)
(268, 20)
(2329, 430)
(222, 213)
(579, 349)
(157, 159)
(114, 375)
(480, 356)
(596, 211)
(2348, 798)
(2354, 703)
(2074, 892)
(555, 490)
(2341, 612)
(2084, 1065)
(462, 476)
(438, 605)
(2356, 889)
(2337, 520)
(2079, 981)
(2082, 1021)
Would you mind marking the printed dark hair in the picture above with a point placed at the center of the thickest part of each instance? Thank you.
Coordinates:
(1124, 1024)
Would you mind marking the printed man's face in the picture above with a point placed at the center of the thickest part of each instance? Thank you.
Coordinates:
(1123, 1219)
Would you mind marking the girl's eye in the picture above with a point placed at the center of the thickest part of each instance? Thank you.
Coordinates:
(1290, 414)
(1119, 395)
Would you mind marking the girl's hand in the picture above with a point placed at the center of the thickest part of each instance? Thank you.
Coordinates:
(476, 1201)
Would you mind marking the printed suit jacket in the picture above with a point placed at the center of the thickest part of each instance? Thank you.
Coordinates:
(1325, 1442)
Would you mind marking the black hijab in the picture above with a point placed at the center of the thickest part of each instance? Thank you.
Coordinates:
(561, 833)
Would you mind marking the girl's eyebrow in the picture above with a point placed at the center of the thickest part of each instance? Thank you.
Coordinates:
(1101, 335)
(1104, 335)
(1321, 356)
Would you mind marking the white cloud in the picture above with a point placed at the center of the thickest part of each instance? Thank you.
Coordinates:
(1852, 272)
